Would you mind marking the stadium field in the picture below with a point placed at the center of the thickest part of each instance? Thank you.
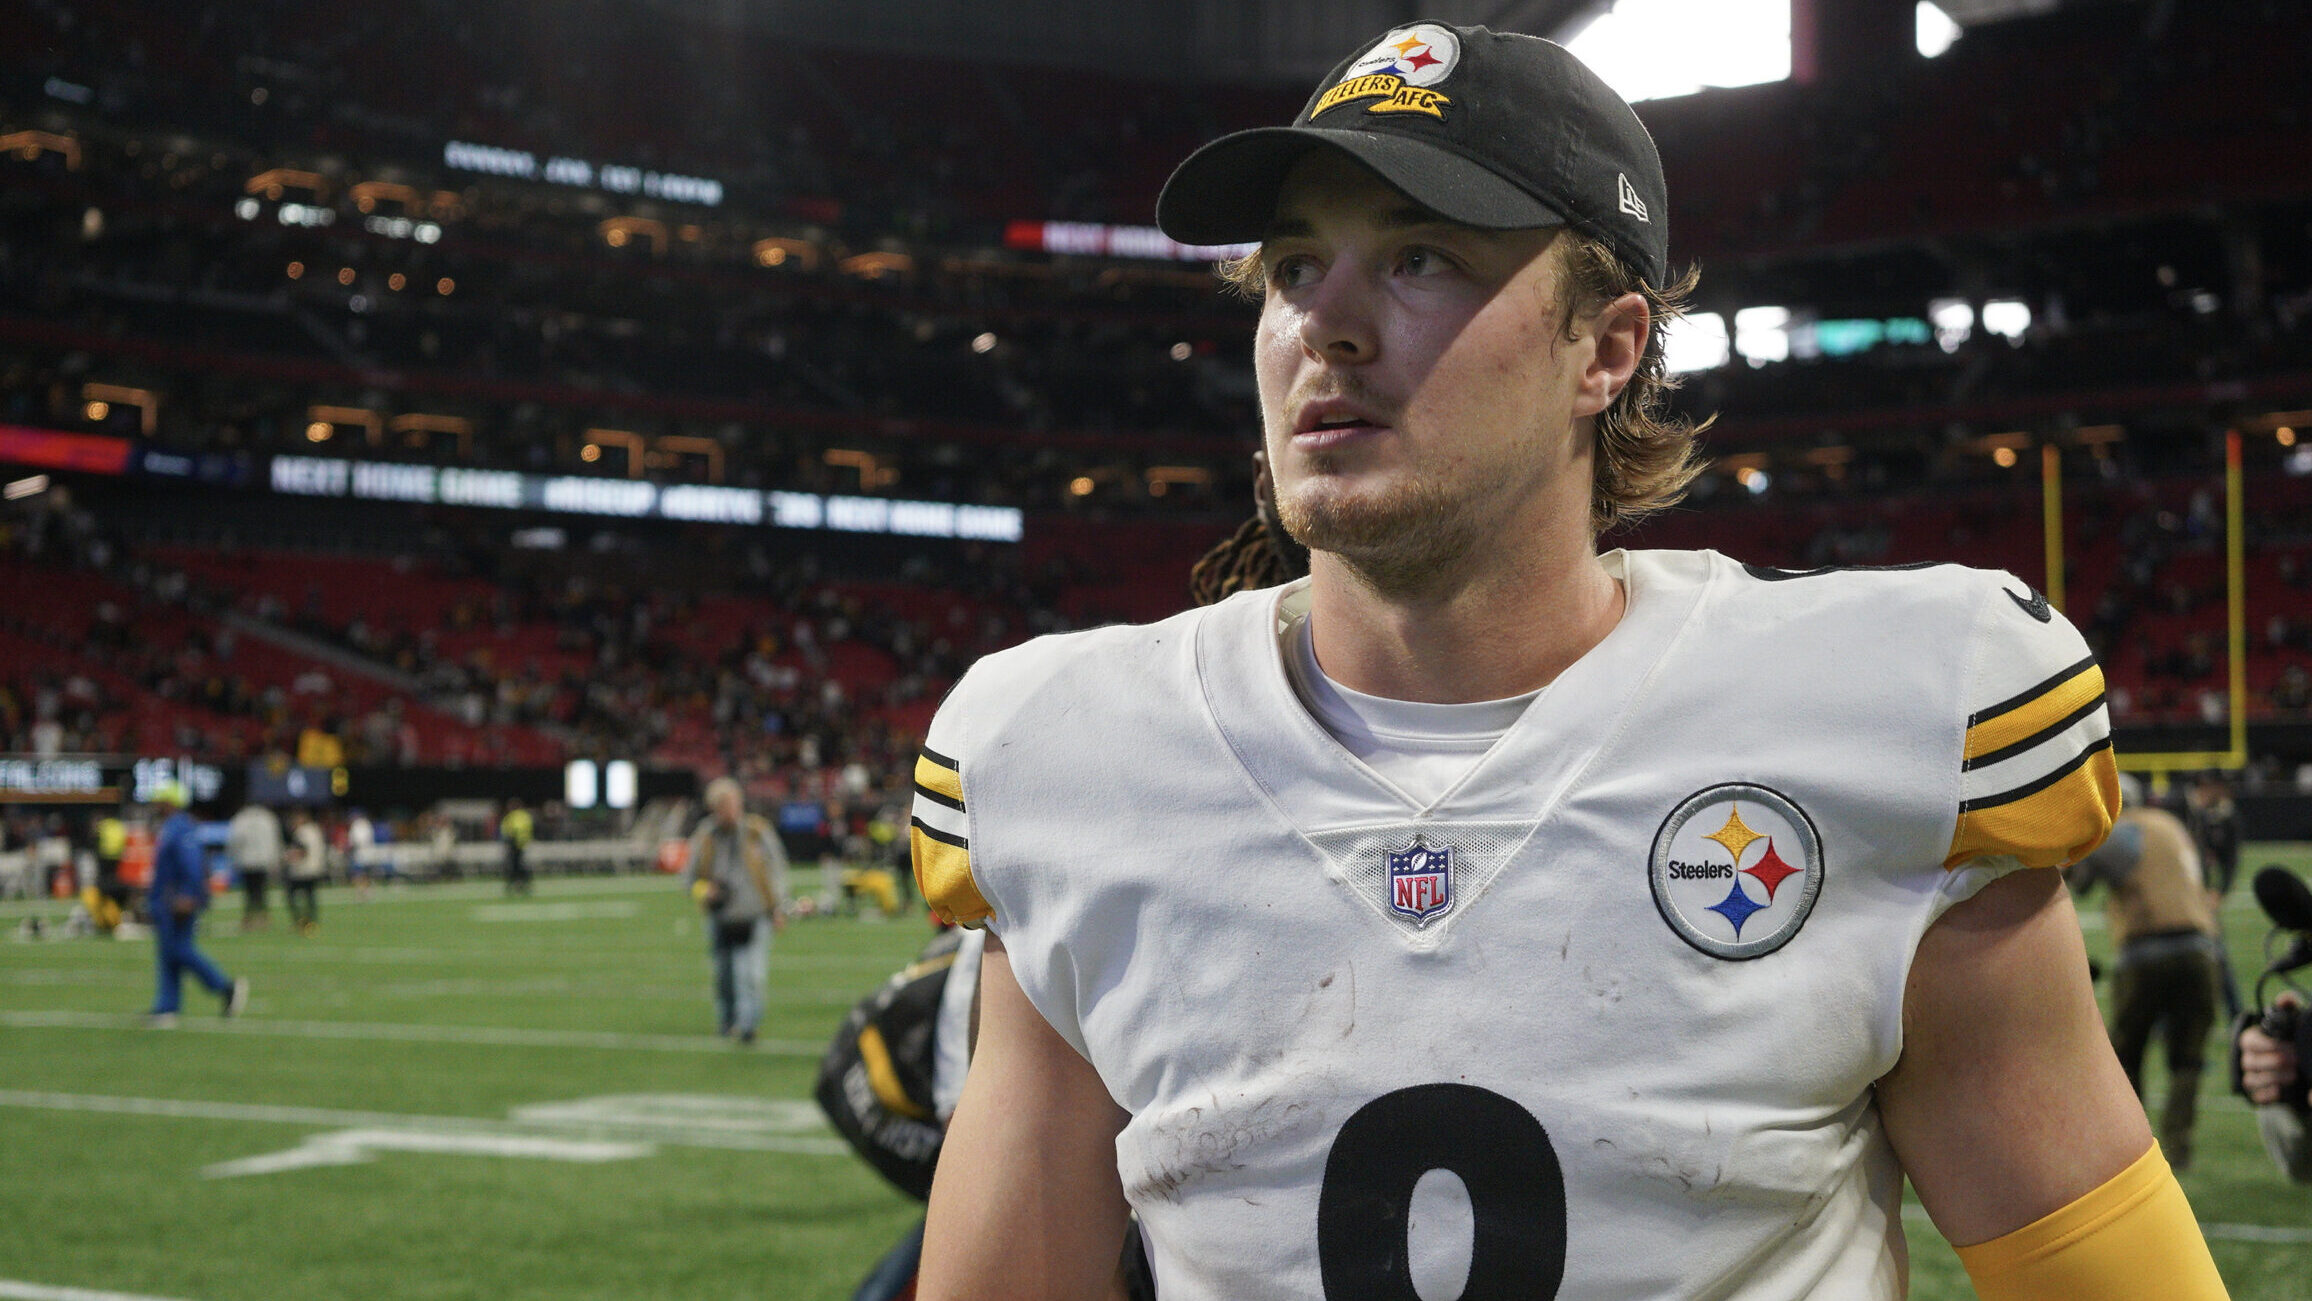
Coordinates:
(446, 1094)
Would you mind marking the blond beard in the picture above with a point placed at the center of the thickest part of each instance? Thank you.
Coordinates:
(1405, 541)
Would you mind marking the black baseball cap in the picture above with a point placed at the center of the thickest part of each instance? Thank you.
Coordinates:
(1491, 129)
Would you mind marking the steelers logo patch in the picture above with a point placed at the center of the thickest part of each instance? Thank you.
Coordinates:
(1421, 55)
(1398, 75)
(1736, 870)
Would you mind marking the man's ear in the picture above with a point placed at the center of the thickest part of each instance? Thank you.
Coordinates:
(1619, 331)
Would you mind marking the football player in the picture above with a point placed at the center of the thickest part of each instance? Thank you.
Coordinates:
(1487, 916)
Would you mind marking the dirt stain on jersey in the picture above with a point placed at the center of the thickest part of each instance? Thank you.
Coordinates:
(1201, 1142)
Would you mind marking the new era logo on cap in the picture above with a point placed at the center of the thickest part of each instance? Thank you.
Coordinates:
(1631, 203)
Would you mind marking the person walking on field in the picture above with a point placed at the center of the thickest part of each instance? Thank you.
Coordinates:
(2163, 925)
(516, 830)
(737, 872)
(304, 862)
(253, 842)
(180, 891)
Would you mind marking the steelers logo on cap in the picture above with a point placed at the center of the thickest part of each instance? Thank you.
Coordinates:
(1397, 74)
(1736, 870)
(1420, 55)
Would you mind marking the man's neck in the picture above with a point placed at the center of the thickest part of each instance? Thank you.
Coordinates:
(1507, 627)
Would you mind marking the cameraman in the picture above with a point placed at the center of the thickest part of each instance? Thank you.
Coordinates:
(2268, 1074)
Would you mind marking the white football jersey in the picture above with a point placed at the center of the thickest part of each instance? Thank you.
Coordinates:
(1628, 983)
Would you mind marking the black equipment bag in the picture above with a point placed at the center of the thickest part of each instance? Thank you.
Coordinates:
(875, 1081)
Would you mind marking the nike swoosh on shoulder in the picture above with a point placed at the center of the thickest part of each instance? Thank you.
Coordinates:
(2036, 607)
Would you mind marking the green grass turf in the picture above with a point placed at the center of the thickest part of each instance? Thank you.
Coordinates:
(601, 991)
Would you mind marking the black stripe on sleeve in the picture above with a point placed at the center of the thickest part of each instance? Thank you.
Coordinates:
(2010, 751)
(943, 837)
(938, 797)
(2030, 694)
(940, 759)
(2029, 789)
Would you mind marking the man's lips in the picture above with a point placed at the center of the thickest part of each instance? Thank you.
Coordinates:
(1329, 436)
(1331, 422)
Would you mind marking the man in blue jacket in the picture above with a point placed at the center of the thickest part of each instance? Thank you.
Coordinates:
(180, 890)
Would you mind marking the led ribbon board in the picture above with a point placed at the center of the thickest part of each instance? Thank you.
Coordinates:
(312, 476)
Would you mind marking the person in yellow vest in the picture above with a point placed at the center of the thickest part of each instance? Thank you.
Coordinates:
(2163, 928)
(516, 830)
(737, 874)
(108, 899)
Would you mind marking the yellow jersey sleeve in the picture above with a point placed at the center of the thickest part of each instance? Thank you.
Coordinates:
(2132, 1237)
(940, 837)
(2037, 782)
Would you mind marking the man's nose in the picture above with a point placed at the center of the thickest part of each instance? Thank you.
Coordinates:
(1338, 322)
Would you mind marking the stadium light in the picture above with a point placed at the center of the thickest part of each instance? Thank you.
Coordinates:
(1954, 322)
(1653, 49)
(2007, 317)
(1935, 32)
(579, 784)
(618, 784)
(1696, 341)
(1762, 334)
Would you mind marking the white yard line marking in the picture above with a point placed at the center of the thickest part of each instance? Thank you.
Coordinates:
(2266, 1233)
(615, 1124)
(493, 1036)
(16, 1291)
(357, 1146)
(554, 912)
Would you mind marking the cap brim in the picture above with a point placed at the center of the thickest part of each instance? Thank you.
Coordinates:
(1225, 193)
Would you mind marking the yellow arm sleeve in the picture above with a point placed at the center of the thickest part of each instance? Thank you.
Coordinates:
(2132, 1237)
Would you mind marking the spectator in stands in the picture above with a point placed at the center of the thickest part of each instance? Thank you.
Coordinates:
(515, 830)
(179, 893)
(737, 873)
(304, 862)
(253, 842)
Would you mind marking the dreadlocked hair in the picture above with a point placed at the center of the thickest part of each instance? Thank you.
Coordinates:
(1245, 561)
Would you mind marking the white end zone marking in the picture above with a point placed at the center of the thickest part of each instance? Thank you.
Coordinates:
(16, 1291)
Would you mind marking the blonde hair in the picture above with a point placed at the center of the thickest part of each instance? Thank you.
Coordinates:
(1646, 456)
(715, 789)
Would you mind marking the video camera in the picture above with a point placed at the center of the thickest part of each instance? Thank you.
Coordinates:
(2288, 902)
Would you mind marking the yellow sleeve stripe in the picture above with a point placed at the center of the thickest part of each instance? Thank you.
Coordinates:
(937, 777)
(2132, 1236)
(876, 1055)
(2012, 726)
(2057, 819)
(943, 874)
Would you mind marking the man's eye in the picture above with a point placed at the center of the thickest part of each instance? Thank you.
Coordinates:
(1293, 272)
(1424, 262)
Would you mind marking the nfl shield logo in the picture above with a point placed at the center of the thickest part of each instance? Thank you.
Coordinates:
(1420, 880)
